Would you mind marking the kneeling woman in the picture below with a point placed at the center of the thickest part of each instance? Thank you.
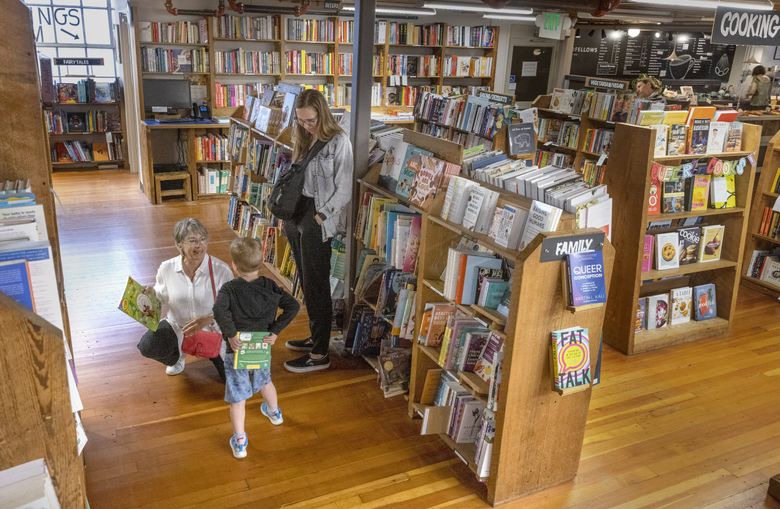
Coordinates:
(327, 191)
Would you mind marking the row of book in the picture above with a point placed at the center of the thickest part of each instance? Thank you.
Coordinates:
(389, 229)
(770, 223)
(81, 151)
(775, 186)
(166, 60)
(237, 138)
(693, 194)
(474, 278)
(677, 307)
(598, 141)
(563, 133)
(306, 62)
(465, 66)
(471, 36)
(609, 106)
(472, 114)
(311, 30)
(401, 33)
(765, 265)
(684, 246)
(95, 121)
(250, 28)
(213, 181)
(551, 157)
(230, 95)
(703, 137)
(211, 147)
(344, 64)
(593, 174)
(88, 91)
(413, 65)
(241, 61)
(171, 32)
(272, 112)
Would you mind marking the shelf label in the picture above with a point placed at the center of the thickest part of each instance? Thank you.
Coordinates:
(746, 27)
(495, 97)
(606, 83)
(556, 248)
(78, 61)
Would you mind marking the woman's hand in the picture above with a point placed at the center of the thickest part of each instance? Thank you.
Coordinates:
(235, 343)
(320, 218)
(197, 324)
(271, 339)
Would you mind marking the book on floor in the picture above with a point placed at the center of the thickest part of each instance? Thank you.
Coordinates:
(254, 353)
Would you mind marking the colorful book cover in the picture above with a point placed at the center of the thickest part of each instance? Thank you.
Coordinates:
(440, 314)
(661, 136)
(484, 365)
(690, 238)
(704, 300)
(717, 137)
(411, 166)
(15, 282)
(641, 315)
(413, 245)
(585, 273)
(666, 248)
(723, 192)
(734, 138)
(711, 243)
(681, 305)
(699, 192)
(673, 197)
(657, 311)
(427, 181)
(647, 253)
(676, 139)
(141, 304)
(254, 353)
(570, 359)
(700, 132)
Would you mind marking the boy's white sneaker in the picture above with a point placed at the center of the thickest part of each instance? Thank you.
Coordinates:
(176, 368)
(275, 417)
(239, 449)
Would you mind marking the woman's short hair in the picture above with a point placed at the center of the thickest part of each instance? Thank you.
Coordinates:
(759, 70)
(187, 226)
(653, 82)
(247, 254)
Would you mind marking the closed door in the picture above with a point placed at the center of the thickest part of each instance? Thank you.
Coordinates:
(530, 71)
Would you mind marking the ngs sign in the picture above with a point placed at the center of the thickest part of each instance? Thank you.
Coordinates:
(65, 22)
(745, 27)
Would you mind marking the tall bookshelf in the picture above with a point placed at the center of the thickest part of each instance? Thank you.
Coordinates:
(764, 196)
(629, 181)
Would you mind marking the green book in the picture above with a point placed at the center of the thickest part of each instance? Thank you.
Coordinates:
(141, 304)
(254, 353)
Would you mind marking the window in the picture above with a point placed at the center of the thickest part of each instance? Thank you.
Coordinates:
(79, 29)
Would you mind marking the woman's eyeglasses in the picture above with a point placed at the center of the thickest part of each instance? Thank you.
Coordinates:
(195, 241)
(307, 122)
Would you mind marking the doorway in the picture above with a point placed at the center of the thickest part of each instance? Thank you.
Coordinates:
(529, 75)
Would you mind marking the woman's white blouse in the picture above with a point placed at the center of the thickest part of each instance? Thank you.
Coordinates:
(189, 299)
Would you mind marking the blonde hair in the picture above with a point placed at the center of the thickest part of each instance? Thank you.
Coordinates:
(246, 254)
(327, 127)
(651, 81)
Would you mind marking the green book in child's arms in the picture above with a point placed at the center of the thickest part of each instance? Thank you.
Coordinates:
(254, 353)
(141, 304)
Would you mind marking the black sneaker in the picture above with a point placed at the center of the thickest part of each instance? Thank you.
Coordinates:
(305, 363)
(300, 345)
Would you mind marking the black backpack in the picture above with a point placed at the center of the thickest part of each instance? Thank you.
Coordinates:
(287, 192)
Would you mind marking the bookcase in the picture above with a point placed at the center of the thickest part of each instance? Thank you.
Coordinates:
(763, 197)
(629, 181)
(38, 421)
(522, 461)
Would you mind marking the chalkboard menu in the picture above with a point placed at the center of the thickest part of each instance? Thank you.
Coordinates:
(628, 57)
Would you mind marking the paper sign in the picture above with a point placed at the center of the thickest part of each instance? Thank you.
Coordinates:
(528, 70)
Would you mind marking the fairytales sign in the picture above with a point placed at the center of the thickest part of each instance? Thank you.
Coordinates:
(746, 27)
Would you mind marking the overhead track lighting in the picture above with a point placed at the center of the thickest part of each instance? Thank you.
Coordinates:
(474, 8)
(509, 18)
(392, 10)
(708, 4)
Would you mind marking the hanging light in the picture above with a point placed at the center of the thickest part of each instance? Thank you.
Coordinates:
(633, 32)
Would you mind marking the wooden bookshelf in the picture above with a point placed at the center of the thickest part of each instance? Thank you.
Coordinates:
(38, 421)
(628, 180)
(764, 197)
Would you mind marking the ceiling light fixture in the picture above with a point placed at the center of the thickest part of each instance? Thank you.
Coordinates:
(616, 35)
(683, 38)
(509, 18)
(633, 32)
(658, 35)
(708, 4)
(390, 10)
(474, 8)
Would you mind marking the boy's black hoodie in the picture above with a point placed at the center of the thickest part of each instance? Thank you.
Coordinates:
(252, 307)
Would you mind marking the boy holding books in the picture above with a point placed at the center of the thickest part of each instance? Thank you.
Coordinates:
(249, 303)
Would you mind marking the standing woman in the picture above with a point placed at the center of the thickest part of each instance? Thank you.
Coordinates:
(760, 89)
(322, 212)
(184, 285)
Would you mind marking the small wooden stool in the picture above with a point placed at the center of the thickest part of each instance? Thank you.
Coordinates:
(185, 190)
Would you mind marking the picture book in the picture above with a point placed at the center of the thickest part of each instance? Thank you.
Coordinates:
(723, 192)
(666, 251)
(141, 304)
(641, 315)
(77, 121)
(427, 181)
(734, 138)
(717, 137)
(657, 311)
(647, 253)
(676, 138)
(690, 238)
(698, 192)
(681, 304)
(100, 151)
(661, 135)
(254, 353)
(584, 279)
(673, 197)
(67, 93)
(704, 301)
(521, 138)
(409, 168)
(699, 136)
(570, 360)
(711, 243)
(394, 159)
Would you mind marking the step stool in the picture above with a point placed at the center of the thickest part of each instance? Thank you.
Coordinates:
(185, 190)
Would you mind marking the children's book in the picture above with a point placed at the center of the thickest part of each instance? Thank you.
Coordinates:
(704, 301)
(427, 181)
(570, 360)
(711, 243)
(411, 166)
(141, 304)
(681, 305)
(661, 135)
(254, 353)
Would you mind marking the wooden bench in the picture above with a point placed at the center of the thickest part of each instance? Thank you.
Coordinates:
(182, 176)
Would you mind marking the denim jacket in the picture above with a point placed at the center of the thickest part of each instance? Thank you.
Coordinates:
(332, 171)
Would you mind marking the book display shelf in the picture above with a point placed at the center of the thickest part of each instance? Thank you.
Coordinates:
(761, 237)
(526, 403)
(633, 186)
(36, 408)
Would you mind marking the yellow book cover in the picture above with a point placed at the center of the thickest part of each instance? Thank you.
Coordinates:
(675, 117)
(773, 189)
(700, 192)
(711, 243)
(723, 192)
(650, 117)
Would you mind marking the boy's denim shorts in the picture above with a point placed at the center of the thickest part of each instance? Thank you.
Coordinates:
(241, 384)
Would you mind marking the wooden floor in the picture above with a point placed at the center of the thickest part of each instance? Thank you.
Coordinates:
(694, 426)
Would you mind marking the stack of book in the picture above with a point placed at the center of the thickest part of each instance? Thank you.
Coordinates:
(211, 147)
(765, 265)
(304, 62)
(213, 181)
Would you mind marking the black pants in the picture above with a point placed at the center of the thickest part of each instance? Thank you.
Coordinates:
(312, 259)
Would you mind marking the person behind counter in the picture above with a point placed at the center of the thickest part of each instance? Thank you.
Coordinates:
(649, 87)
(760, 89)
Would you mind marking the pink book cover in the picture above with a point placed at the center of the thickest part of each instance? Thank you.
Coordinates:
(413, 245)
(647, 254)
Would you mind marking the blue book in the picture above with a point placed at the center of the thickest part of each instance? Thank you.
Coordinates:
(411, 165)
(704, 302)
(585, 279)
(15, 282)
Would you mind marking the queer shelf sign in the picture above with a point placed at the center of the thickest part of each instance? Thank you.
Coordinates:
(746, 27)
